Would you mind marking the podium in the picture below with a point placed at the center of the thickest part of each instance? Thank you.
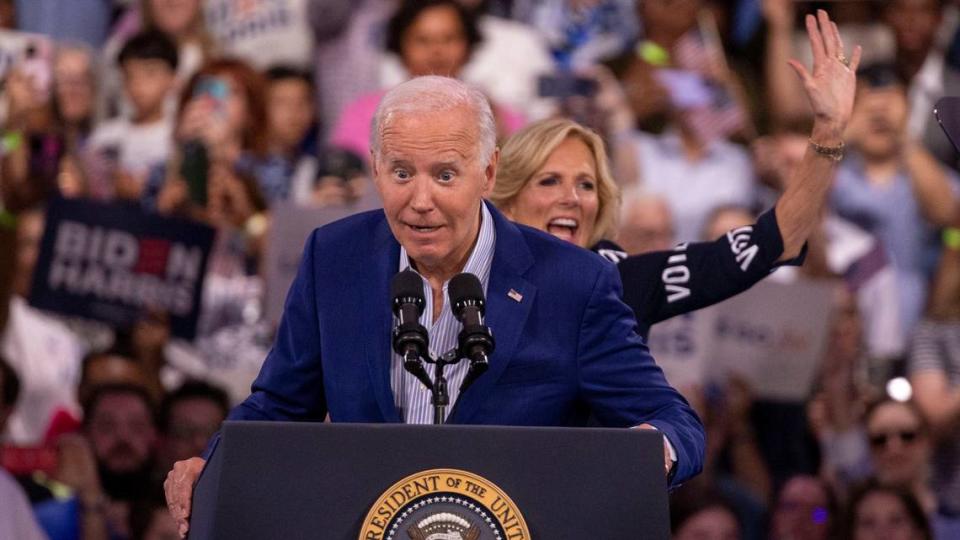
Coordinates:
(391, 481)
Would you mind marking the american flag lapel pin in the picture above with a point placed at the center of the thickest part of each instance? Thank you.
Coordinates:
(513, 294)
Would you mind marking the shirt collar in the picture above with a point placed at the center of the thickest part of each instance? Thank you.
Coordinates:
(481, 258)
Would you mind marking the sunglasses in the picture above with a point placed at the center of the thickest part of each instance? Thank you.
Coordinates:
(880, 440)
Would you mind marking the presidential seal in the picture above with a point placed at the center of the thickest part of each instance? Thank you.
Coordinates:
(444, 504)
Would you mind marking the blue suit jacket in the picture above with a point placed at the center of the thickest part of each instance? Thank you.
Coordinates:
(566, 350)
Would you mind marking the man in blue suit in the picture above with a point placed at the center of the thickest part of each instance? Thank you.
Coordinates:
(566, 343)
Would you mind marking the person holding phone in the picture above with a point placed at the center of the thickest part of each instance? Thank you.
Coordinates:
(221, 133)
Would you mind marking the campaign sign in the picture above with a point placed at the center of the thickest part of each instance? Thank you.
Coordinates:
(773, 335)
(111, 262)
(681, 346)
(291, 225)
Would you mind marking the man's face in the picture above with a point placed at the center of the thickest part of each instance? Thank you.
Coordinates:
(431, 179)
(122, 433)
(192, 422)
(290, 111)
(914, 23)
(647, 226)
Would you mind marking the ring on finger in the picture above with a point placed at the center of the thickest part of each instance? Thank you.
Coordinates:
(843, 59)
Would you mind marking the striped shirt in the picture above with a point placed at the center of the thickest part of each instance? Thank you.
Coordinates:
(936, 347)
(410, 396)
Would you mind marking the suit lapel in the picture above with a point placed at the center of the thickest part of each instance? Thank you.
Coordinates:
(510, 298)
(375, 334)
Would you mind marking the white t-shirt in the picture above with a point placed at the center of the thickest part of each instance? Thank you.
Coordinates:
(693, 189)
(506, 65)
(138, 146)
(47, 357)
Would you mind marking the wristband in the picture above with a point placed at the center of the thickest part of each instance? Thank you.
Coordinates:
(10, 142)
(951, 238)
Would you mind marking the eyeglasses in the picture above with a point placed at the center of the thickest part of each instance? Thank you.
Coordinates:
(880, 440)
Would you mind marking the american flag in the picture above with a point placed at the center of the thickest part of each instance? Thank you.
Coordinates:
(724, 116)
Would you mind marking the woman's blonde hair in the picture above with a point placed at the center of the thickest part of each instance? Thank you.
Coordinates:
(524, 154)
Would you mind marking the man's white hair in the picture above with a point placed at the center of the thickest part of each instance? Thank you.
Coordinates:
(431, 94)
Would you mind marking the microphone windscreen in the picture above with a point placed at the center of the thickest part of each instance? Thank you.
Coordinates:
(407, 284)
(464, 287)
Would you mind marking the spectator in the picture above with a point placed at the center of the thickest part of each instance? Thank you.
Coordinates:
(189, 416)
(181, 20)
(934, 368)
(582, 33)
(431, 38)
(45, 353)
(805, 509)
(699, 515)
(921, 65)
(506, 64)
(109, 368)
(646, 223)
(46, 131)
(892, 187)
(879, 512)
(293, 128)
(111, 470)
(900, 449)
(221, 134)
(134, 144)
(841, 248)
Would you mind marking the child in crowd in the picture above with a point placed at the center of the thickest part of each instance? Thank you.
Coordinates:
(131, 145)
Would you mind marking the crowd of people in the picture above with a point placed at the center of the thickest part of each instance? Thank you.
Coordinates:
(625, 127)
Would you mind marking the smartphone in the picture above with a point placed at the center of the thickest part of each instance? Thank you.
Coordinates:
(566, 85)
(32, 54)
(214, 88)
(194, 169)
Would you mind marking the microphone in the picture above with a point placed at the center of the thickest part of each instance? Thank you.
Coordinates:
(410, 339)
(475, 339)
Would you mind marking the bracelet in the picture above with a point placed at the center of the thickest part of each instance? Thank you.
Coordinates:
(833, 152)
(951, 238)
(10, 142)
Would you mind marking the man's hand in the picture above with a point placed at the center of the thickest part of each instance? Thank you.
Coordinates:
(178, 488)
(833, 83)
(667, 462)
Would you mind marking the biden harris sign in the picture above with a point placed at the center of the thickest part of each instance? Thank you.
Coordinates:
(112, 262)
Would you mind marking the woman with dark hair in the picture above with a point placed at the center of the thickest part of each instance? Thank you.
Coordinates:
(221, 133)
(433, 37)
(878, 512)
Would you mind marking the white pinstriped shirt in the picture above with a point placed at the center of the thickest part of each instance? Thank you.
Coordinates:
(410, 396)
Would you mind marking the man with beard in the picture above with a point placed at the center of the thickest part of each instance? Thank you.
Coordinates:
(113, 466)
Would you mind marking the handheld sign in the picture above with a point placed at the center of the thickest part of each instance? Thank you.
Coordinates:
(111, 262)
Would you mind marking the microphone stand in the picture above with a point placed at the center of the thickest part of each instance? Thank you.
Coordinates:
(440, 396)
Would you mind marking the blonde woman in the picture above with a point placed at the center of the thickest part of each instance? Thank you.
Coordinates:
(554, 176)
